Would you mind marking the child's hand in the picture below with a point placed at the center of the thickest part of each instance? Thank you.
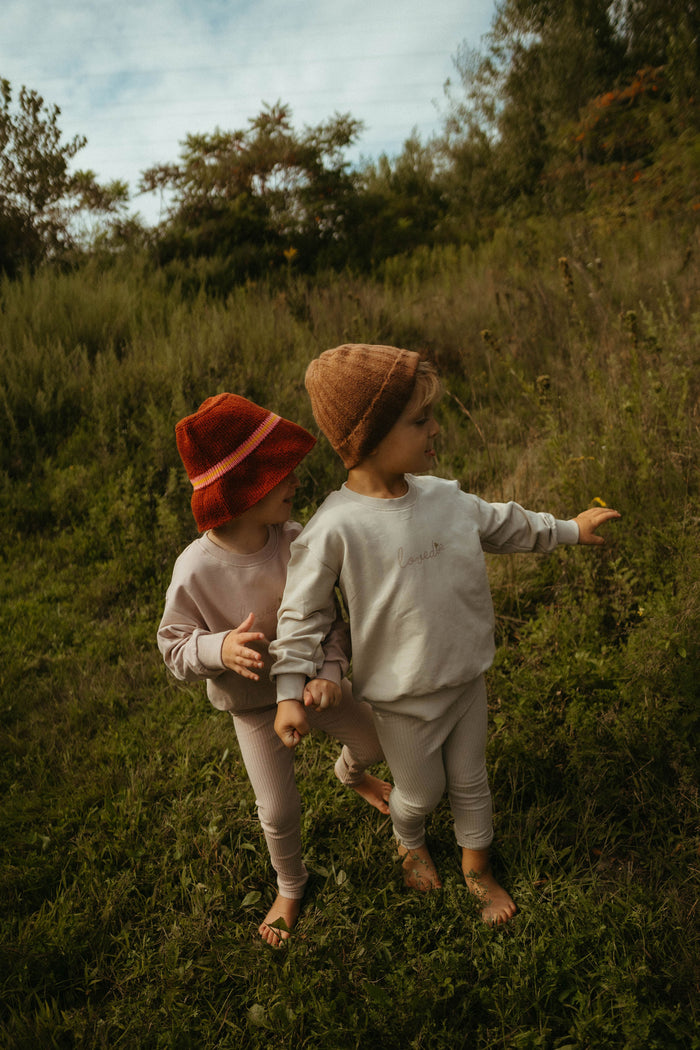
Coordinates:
(589, 520)
(320, 693)
(290, 722)
(235, 654)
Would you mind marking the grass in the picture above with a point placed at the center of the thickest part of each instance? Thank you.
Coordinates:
(133, 871)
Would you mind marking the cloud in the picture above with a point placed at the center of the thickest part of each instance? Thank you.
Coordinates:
(136, 78)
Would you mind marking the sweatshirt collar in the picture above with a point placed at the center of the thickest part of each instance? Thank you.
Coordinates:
(384, 505)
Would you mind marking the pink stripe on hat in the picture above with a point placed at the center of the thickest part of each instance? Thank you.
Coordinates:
(238, 455)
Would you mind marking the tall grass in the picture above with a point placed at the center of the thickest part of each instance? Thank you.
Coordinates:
(133, 870)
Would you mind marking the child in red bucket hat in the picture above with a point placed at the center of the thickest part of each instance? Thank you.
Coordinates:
(221, 614)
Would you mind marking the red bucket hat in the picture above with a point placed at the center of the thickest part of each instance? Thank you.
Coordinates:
(234, 453)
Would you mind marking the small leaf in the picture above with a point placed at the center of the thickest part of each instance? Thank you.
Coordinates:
(257, 1015)
(251, 898)
(376, 994)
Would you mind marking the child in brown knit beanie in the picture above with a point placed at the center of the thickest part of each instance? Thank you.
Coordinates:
(407, 552)
(221, 613)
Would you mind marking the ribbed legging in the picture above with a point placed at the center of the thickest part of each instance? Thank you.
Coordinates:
(426, 756)
(270, 768)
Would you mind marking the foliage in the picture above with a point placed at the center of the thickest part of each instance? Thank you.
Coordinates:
(543, 63)
(399, 205)
(664, 32)
(133, 870)
(256, 196)
(569, 105)
(132, 866)
(629, 147)
(40, 197)
(561, 90)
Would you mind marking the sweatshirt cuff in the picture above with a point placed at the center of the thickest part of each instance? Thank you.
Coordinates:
(209, 648)
(567, 532)
(331, 670)
(290, 686)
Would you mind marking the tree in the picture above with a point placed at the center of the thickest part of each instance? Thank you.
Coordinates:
(544, 60)
(250, 195)
(39, 197)
(666, 33)
(399, 205)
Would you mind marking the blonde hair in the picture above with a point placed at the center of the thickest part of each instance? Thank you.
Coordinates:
(428, 387)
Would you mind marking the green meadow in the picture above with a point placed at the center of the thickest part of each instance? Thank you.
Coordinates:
(133, 871)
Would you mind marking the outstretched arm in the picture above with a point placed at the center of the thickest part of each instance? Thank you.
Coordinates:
(590, 520)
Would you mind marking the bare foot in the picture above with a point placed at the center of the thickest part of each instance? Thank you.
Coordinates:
(285, 908)
(419, 872)
(497, 905)
(374, 791)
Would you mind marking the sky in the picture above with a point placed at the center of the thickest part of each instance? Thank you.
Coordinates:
(135, 77)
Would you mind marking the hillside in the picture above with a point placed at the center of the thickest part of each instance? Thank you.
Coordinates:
(132, 865)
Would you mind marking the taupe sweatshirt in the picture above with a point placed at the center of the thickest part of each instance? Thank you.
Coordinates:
(412, 574)
(211, 592)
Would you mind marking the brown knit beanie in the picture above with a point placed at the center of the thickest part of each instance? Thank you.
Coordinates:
(234, 453)
(357, 392)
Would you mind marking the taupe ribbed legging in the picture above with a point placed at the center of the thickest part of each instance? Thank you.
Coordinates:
(425, 756)
(270, 768)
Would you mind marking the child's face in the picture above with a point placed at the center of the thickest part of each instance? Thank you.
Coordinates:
(408, 447)
(276, 507)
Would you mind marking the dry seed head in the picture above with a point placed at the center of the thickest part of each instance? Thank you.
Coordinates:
(491, 340)
(543, 384)
(630, 322)
(566, 275)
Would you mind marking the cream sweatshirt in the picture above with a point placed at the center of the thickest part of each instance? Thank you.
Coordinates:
(412, 574)
(211, 592)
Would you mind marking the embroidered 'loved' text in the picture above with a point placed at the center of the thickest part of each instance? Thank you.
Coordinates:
(406, 560)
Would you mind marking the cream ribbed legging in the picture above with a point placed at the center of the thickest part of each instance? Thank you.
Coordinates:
(270, 768)
(425, 756)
